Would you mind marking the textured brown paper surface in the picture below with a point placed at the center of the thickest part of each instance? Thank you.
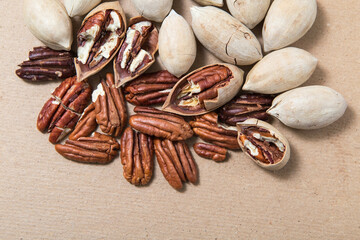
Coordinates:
(316, 196)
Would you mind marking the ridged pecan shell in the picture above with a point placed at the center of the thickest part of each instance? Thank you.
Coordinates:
(216, 153)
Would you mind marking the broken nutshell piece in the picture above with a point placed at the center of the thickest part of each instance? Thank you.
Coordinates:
(100, 149)
(245, 106)
(263, 143)
(137, 157)
(137, 52)
(99, 38)
(110, 106)
(176, 162)
(204, 90)
(150, 88)
(205, 150)
(47, 64)
(154, 122)
(86, 125)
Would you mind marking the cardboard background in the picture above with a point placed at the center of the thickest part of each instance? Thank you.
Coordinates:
(44, 196)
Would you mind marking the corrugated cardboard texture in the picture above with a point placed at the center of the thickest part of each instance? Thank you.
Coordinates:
(316, 196)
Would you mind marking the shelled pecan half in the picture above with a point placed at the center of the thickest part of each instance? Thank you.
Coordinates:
(204, 90)
(99, 148)
(176, 162)
(160, 124)
(208, 129)
(47, 64)
(86, 125)
(61, 112)
(137, 157)
(150, 88)
(245, 106)
(216, 153)
(137, 51)
(99, 38)
(110, 106)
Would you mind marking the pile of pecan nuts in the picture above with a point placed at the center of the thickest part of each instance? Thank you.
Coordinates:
(210, 102)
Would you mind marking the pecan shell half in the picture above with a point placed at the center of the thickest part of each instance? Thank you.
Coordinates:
(137, 157)
(150, 88)
(208, 129)
(137, 52)
(176, 162)
(86, 125)
(47, 64)
(110, 106)
(100, 149)
(160, 124)
(245, 106)
(216, 153)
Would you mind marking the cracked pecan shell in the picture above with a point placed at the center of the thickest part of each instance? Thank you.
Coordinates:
(137, 157)
(99, 148)
(216, 153)
(160, 124)
(176, 162)
(110, 106)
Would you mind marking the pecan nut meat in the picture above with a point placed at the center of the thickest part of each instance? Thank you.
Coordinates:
(100, 149)
(245, 106)
(99, 38)
(160, 124)
(216, 153)
(47, 64)
(204, 90)
(150, 88)
(176, 162)
(209, 130)
(86, 125)
(61, 112)
(137, 52)
(137, 157)
(110, 106)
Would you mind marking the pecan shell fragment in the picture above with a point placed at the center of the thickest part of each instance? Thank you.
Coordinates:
(100, 149)
(216, 153)
(176, 162)
(137, 157)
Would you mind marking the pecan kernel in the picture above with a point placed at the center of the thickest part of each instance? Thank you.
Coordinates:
(210, 151)
(86, 125)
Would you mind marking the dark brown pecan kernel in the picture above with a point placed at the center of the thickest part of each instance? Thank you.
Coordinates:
(176, 162)
(86, 125)
(100, 149)
(208, 129)
(161, 124)
(110, 107)
(150, 88)
(245, 106)
(210, 151)
(47, 64)
(137, 152)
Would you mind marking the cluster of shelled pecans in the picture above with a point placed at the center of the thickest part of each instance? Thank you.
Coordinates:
(211, 102)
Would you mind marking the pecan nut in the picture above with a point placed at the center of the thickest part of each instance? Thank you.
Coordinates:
(137, 157)
(47, 64)
(100, 149)
(160, 124)
(61, 112)
(176, 162)
(216, 153)
(150, 88)
(110, 106)
(245, 106)
(86, 125)
(204, 90)
(208, 129)
(137, 52)
(99, 38)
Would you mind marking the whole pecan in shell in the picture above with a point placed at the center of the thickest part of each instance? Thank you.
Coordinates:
(99, 148)
(86, 125)
(47, 64)
(176, 162)
(245, 106)
(160, 124)
(216, 153)
(150, 88)
(137, 157)
(110, 107)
